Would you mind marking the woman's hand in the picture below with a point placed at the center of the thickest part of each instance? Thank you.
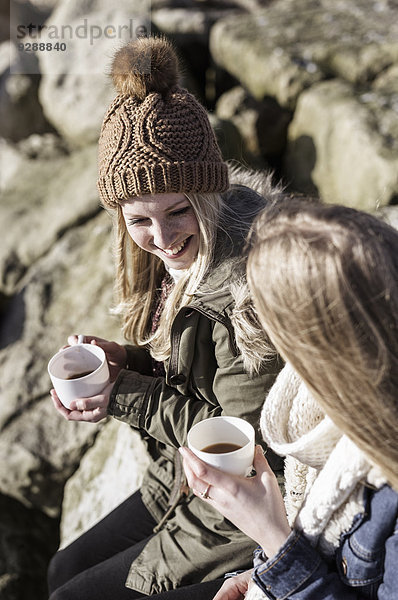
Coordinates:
(254, 504)
(94, 409)
(235, 588)
(116, 354)
(91, 410)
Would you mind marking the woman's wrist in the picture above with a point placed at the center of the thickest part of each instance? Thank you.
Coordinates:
(273, 542)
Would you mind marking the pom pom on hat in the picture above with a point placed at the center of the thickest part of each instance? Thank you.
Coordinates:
(143, 66)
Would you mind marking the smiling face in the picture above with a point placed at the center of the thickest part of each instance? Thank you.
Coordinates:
(164, 225)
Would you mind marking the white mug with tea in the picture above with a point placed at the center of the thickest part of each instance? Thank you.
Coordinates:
(226, 443)
(79, 371)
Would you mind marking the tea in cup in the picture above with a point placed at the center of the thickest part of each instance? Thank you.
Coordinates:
(226, 443)
(79, 371)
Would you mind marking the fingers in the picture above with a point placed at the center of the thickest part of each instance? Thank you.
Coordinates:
(86, 339)
(58, 404)
(85, 404)
(200, 476)
(228, 591)
(90, 410)
(88, 416)
(234, 588)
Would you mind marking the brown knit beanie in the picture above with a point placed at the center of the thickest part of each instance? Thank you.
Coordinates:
(156, 137)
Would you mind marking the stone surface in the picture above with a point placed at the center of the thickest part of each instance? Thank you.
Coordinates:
(20, 111)
(389, 214)
(11, 161)
(15, 158)
(75, 90)
(187, 25)
(262, 125)
(229, 138)
(283, 49)
(65, 292)
(108, 473)
(51, 197)
(337, 146)
(27, 540)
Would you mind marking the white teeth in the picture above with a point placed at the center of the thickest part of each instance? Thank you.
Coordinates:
(176, 249)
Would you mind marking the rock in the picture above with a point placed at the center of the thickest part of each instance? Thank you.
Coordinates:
(337, 146)
(11, 161)
(43, 147)
(389, 214)
(15, 158)
(284, 49)
(45, 6)
(27, 539)
(108, 473)
(229, 139)
(20, 110)
(4, 21)
(75, 90)
(67, 291)
(22, 13)
(51, 197)
(187, 25)
(262, 125)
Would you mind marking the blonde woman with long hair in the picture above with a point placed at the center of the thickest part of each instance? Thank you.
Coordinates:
(180, 241)
(324, 280)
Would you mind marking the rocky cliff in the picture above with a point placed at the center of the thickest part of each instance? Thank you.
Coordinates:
(305, 87)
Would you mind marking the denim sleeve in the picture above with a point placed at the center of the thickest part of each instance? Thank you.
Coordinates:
(389, 586)
(298, 572)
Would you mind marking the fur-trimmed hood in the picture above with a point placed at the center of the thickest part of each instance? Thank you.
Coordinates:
(251, 340)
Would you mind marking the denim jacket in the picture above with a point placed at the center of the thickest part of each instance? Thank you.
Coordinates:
(365, 565)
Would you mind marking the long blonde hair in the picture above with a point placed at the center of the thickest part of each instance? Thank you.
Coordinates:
(325, 285)
(139, 275)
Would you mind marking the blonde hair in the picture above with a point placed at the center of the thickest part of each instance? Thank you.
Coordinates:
(325, 285)
(139, 275)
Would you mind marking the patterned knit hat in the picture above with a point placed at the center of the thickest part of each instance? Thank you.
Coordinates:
(156, 137)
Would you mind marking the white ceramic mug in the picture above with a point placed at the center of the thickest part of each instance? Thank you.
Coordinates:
(224, 430)
(88, 361)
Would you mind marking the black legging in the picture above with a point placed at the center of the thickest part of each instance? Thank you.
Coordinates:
(96, 565)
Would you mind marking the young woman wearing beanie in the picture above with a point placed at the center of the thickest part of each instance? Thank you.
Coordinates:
(330, 306)
(181, 229)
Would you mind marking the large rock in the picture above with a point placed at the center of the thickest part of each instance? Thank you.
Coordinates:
(282, 50)
(262, 125)
(344, 145)
(68, 291)
(108, 473)
(11, 161)
(75, 90)
(37, 208)
(15, 158)
(187, 24)
(27, 540)
(20, 110)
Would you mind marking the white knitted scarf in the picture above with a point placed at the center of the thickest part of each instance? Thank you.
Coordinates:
(324, 470)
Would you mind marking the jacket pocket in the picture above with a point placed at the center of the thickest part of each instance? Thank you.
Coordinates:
(358, 566)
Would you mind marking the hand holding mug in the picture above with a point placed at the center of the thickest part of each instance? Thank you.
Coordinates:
(80, 376)
(254, 504)
(90, 410)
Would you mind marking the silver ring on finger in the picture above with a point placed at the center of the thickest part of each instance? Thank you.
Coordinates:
(205, 494)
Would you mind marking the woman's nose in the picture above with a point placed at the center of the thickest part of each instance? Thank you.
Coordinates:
(163, 236)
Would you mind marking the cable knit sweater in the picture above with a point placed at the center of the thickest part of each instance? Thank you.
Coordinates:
(324, 470)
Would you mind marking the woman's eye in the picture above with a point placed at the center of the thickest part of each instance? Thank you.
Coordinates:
(136, 221)
(181, 211)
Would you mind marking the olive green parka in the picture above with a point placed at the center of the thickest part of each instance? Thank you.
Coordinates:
(205, 377)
